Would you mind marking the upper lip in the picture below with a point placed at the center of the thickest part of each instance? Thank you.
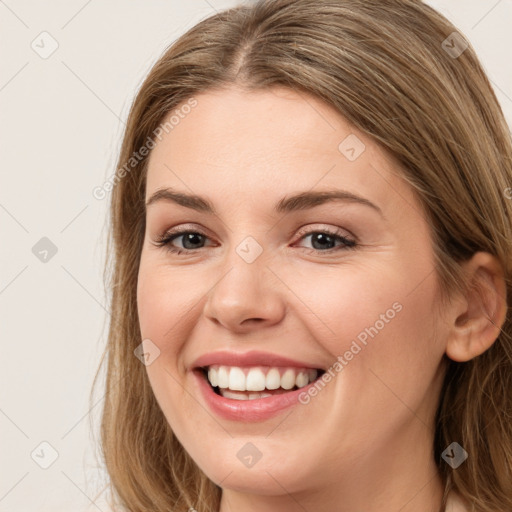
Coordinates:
(252, 358)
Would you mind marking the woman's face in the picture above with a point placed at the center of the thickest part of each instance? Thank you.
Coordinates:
(337, 285)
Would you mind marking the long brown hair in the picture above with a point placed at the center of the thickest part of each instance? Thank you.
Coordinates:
(397, 72)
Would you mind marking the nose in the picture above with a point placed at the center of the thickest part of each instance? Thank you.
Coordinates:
(248, 295)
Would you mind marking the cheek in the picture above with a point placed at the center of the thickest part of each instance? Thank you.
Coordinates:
(165, 300)
(353, 304)
(383, 332)
(165, 307)
(375, 320)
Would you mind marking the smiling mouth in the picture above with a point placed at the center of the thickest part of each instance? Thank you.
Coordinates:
(257, 382)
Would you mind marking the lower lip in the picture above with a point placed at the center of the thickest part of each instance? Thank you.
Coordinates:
(259, 409)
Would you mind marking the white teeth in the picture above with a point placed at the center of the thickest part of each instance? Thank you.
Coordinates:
(212, 377)
(235, 396)
(273, 380)
(288, 379)
(243, 396)
(237, 379)
(222, 377)
(301, 380)
(255, 379)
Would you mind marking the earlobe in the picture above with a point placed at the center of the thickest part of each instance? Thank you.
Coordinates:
(478, 317)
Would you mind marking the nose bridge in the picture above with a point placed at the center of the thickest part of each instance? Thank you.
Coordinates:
(247, 288)
(249, 250)
(246, 273)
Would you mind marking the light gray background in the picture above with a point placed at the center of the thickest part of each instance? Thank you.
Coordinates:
(62, 121)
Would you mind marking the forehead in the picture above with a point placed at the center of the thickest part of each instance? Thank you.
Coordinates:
(233, 144)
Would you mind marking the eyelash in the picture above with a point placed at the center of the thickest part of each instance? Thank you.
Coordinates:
(165, 240)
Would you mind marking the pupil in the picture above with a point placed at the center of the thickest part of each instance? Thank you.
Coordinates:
(320, 237)
(189, 237)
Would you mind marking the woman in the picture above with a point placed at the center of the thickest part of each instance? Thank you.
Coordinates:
(311, 269)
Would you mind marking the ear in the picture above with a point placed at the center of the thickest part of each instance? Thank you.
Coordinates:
(477, 318)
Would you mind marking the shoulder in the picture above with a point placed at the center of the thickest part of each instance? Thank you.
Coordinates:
(455, 503)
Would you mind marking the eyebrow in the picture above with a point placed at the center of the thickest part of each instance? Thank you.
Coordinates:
(298, 202)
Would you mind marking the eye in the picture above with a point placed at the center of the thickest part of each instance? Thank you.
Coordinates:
(326, 237)
(323, 239)
(189, 237)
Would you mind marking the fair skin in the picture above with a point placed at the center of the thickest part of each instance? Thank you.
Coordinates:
(364, 442)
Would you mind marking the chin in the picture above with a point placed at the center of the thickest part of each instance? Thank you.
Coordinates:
(265, 477)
